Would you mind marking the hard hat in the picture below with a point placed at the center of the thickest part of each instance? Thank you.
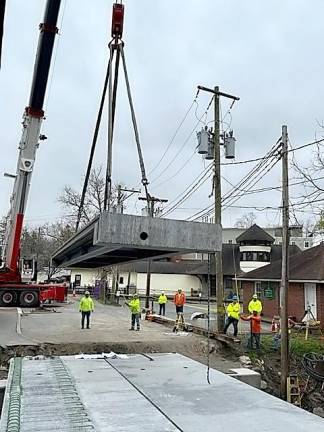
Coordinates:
(255, 296)
(234, 297)
(87, 293)
(135, 295)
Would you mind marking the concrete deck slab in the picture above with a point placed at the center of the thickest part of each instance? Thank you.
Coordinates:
(159, 392)
(114, 238)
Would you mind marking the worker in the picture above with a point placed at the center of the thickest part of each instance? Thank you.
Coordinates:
(255, 305)
(179, 300)
(233, 315)
(162, 300)
(86, 307)
(135, 308)
(255, 320)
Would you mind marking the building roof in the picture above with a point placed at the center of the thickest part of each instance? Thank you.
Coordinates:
(305, 266)
(231, 263)
(255, 233)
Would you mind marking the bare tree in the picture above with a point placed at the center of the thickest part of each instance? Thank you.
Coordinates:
(41, 242)
(310, 191)
(246, 220)
(94, 198)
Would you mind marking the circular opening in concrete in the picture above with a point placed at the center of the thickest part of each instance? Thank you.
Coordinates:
(143, 235)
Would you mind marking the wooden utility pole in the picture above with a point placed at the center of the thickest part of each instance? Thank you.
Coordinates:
(218, 203)
(218, 215)
(284, 287)
(151, 212)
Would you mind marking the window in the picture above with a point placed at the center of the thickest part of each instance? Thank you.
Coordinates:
(255, 256)
(306, 244)
(258, 289)
(121, 279)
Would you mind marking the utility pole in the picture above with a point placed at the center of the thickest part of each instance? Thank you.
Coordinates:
(284, 269)
(121, 198)
(218, 203)
(151, 212)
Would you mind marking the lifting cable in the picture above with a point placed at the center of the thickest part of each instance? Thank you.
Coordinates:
(137, 139)
(93, 147)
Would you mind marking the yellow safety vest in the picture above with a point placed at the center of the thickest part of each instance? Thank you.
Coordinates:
(255, 306)
(233, 310)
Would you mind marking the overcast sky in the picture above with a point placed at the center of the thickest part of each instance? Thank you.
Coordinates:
(267, 53)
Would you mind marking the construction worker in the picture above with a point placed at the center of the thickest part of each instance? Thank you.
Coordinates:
(162, 300)
(135, 308)
(179, 300)
(86, 307)
(255, 320)
(233, 315)
(255, 305)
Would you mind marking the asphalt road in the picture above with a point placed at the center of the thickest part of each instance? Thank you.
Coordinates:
(8, 328)
(190, 308)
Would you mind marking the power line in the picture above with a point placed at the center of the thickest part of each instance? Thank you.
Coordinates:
(174, 135)
(181, 148)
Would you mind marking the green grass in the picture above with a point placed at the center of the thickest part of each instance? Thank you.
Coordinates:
(298, 345)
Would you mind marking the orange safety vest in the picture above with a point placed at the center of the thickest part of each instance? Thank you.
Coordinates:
(179, 299)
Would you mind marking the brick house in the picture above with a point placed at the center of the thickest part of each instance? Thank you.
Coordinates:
(306, 285)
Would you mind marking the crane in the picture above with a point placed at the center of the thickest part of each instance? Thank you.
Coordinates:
(13, 290)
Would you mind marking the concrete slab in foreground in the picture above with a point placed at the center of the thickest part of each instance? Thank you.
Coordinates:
(114, 238)
(156, 392)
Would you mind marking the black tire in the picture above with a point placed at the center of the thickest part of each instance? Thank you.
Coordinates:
(29, 298)
(8, 298)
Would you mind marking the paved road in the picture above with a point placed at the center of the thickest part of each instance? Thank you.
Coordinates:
(109, 331)
(190, 308)
(8, 328)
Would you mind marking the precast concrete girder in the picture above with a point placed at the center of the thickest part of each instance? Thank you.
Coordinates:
(114, 238)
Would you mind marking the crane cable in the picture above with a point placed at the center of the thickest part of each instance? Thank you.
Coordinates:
(137, 139)
(93, 147)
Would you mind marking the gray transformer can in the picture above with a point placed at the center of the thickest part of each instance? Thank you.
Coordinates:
(229, 144)
(203, 136)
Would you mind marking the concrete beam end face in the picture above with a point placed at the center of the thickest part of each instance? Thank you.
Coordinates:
(144, 232)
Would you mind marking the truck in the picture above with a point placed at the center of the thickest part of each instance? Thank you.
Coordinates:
(16, 276)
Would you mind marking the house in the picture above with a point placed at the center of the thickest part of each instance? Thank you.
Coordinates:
(252, 249)
(306, 284)
(296, 236)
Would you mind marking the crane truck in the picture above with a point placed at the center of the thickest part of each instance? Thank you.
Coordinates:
(14, 289)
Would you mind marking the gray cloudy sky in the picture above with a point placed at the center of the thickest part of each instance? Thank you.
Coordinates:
(267, 52)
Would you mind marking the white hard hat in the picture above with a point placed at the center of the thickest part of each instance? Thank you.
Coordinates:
(255, 296)
(87, 293)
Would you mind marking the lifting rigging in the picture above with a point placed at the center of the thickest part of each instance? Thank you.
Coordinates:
(116, 53)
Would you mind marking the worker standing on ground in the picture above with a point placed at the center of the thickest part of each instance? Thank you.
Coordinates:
(162, 300)
(255, 334)
(233, 315)
(135, 308)
(86, 307)
(255, 305)
(179, 300)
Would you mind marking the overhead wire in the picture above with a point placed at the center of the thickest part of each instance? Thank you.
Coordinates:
(174, 135)
(249, 177)
(182, 147)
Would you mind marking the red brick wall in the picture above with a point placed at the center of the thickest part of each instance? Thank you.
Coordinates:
(271, 307)
(296, 304)
(320, 303)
